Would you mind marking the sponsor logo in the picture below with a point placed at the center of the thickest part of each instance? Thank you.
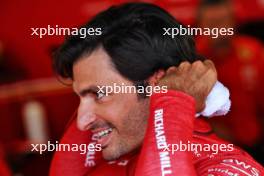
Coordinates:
(241, 166)
(165, 162)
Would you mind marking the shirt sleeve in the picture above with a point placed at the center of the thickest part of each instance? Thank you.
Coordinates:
(171, 121)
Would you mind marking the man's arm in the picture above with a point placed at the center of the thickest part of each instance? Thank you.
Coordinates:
(172, 118)
(171, 121)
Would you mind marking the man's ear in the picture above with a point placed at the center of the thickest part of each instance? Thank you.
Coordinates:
(154, 79)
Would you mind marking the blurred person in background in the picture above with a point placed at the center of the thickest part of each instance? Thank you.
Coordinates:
(9, 70)
(239, 61)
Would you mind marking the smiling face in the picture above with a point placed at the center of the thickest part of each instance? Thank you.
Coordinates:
(119, 119)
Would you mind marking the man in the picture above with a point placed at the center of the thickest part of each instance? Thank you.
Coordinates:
(239, 61)
(136, 132)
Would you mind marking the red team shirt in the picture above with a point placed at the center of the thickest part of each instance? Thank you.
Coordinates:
(171, 121)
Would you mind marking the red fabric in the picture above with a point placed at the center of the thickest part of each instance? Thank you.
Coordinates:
(179, 124)
(172, 130)
(242, 72)
(4, 171)
(71, 163)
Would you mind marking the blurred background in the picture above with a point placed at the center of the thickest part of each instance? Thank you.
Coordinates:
(35, 107)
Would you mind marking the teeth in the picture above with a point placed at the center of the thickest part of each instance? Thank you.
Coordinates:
(104, 132)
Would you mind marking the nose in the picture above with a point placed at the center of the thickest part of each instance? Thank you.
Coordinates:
(86, 116)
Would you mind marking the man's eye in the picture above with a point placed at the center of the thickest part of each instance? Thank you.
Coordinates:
(100, 95)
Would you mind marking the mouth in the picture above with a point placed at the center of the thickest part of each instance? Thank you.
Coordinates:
(104, 136)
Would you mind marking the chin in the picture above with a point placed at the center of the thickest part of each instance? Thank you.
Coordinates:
(110, 155)
(113, 152)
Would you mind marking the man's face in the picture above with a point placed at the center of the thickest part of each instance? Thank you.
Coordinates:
(119, 119)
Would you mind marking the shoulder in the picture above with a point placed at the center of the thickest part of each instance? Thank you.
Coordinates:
(229, 163)
(214, 156)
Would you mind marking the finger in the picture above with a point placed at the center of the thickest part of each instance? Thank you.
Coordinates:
(170, 81)
(171, 70)
(197, 70)
(209, 78)
(184, 67)
(210, 64)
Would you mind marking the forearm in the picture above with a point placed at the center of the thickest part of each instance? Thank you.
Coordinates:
(171, 121)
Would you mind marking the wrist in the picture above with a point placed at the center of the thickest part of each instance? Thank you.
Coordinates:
(175, 94)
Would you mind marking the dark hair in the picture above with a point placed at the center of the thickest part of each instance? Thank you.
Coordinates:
(132, 35)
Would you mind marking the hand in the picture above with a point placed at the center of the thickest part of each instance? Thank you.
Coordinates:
(196, 79)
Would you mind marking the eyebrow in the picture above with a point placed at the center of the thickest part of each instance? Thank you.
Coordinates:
(90, 89)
